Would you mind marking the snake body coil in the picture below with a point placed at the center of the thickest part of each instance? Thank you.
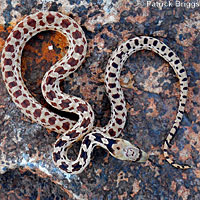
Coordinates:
(72, 131)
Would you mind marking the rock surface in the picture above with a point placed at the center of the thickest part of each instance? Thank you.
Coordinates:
(150, 87)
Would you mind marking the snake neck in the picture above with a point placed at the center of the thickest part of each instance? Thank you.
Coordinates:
(119, 148)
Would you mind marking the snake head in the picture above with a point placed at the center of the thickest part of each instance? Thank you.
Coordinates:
(124, 150)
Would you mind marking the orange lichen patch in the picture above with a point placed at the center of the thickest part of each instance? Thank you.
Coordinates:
(60, 41)
(8, 30)
(121, 177)
(183, 192)
(152, 106)
(173, 186)
(56, 39)
(2, 41)
(39, 54)
(136, 188)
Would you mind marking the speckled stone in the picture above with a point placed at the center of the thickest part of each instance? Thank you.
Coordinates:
(150, 87)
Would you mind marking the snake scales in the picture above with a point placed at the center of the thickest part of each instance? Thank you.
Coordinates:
(83, 129)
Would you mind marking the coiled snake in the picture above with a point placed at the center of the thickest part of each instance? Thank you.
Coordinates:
(71, 131)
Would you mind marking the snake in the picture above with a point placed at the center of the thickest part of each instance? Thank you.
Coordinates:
(71, 131)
